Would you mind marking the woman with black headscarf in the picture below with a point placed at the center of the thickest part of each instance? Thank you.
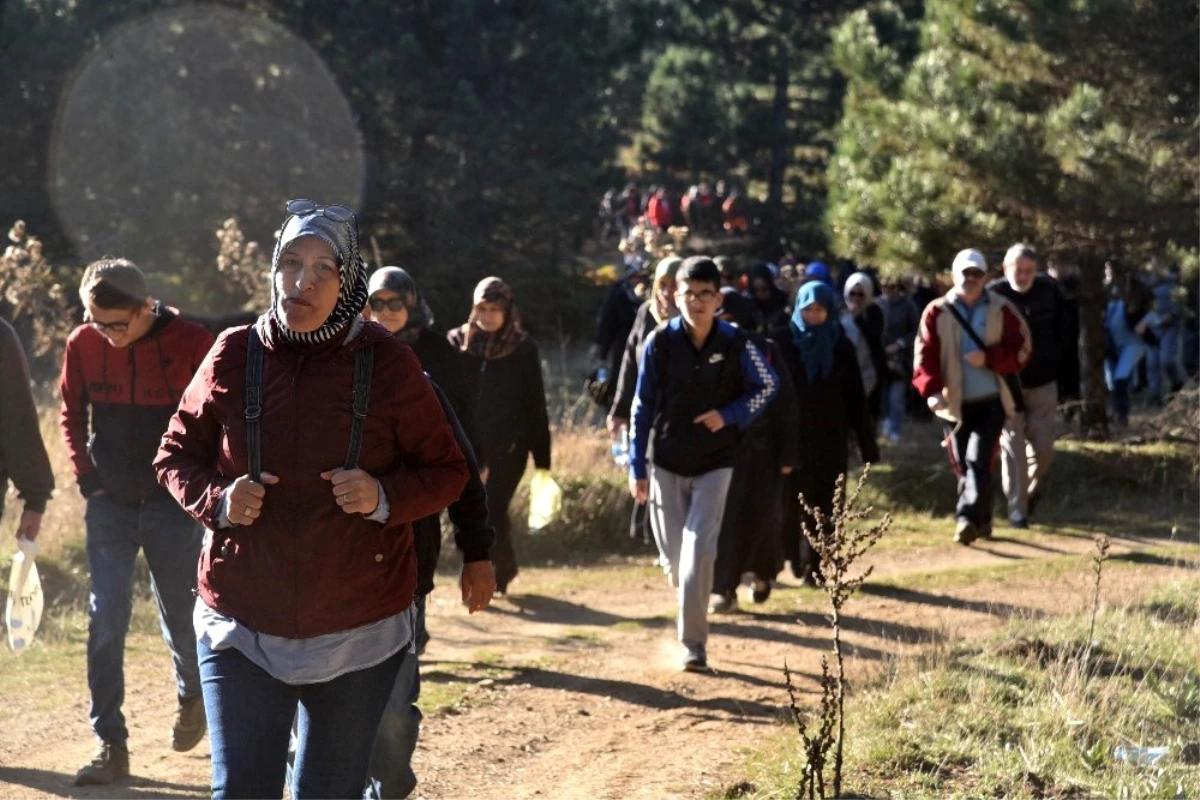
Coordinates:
(504, 377)
(832, 406)
(770, 302)
(307, 444)
(749, 539)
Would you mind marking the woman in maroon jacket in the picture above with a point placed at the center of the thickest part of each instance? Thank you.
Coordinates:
(308, 573)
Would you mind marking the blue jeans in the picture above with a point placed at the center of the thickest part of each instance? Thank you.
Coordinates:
(391, 774)
(171, 540)
(895, 400)
(250, 719)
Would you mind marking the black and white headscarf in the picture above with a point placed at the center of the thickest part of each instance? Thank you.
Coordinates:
(352, 274)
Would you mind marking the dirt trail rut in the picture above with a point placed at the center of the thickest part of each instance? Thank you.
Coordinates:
(570, 687)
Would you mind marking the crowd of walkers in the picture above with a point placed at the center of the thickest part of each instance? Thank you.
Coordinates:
(705, 209)
(286, 479)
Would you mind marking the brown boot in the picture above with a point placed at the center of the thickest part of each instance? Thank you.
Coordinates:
(190, 724)
(111, 763)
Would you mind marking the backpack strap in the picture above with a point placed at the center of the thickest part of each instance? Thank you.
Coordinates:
(363, 363)
(254, 379)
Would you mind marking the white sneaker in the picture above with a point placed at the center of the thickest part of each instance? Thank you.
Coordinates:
(722, 604)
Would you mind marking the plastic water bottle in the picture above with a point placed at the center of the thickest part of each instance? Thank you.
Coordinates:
(602, 375)
(1141, 756)
(620, 448)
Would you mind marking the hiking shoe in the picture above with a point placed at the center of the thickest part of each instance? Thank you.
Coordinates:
(1032, 503)
(722, 603)
(695, 660)
(110, 763)
(965, 532)
(190, 724)
(1019, 522)
(760, 591)
(985, 530)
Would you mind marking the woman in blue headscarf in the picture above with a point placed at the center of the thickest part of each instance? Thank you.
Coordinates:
(832, 405)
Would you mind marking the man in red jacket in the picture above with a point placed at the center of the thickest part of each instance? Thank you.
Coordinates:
(123, 373)
(968, 342)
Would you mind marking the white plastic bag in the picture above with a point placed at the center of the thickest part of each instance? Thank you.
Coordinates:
(545, 500)
(23, 611)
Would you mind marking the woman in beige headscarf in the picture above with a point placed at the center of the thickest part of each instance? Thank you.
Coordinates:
(503, 372)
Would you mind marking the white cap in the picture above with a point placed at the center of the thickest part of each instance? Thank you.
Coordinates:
(968, 259)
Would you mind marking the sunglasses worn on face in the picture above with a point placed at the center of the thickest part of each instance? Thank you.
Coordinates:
(302, 208)
(392, 304)
(857, 294)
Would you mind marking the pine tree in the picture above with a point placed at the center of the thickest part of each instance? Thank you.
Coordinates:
(1068, 124)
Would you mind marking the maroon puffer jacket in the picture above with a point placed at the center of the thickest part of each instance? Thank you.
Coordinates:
(304, 568)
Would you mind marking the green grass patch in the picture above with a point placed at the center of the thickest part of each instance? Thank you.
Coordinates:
(1022, 714)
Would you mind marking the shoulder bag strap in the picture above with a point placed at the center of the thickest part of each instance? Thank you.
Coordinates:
(1013, 382)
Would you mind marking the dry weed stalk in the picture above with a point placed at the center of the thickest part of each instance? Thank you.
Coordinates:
(816, 745)
(245, 264)
(839, 540)
(28, 284)
(1098, 559)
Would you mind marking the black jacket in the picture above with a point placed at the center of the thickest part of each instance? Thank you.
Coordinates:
(510, 402)
(442, 364)
(631, 359)
(615, 320)
(22, 453)
(1045, 311)
(831, 409)
(472, 533)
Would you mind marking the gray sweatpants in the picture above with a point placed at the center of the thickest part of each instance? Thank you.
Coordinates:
(685, 514)
(1027, 446)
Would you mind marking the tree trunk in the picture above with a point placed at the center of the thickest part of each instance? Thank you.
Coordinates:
(1092, 303)
(773, 217)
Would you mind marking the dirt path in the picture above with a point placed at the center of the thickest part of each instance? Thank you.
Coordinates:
(570, 687)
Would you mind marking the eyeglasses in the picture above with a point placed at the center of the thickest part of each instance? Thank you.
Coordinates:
(857, 293)
(114, 327)
(302, 208)
(703, 296)
(391, 304)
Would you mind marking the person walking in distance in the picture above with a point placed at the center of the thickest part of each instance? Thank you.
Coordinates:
(504, 375)
(701, 382)
(22, 453)
(970, 347)
(1027, 441)
(123, 374)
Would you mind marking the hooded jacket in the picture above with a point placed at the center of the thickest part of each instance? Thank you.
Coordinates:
(128, 396)
(304, 568)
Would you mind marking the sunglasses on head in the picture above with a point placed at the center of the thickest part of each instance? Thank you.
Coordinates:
(391, 304)
(303, 208)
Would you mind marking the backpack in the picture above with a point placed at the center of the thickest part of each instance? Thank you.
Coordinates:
(359, 401)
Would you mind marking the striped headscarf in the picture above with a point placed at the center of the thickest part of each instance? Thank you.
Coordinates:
(352, 274)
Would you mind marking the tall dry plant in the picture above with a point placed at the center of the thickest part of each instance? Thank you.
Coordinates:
(840, 539)
(1098, 558)
(245, 265)
(33, 290)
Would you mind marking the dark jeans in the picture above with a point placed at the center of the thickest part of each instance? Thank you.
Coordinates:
(1120, 399)
(250, 718)
(506, 465)
(171, 540)
(975, 444)
(391, 774)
